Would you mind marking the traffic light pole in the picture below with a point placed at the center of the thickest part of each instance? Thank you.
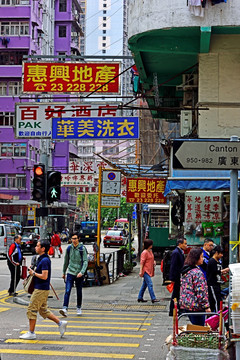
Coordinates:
(44, 158)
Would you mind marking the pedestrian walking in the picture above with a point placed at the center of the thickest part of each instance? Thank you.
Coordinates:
(14, 261)
(38, 300)
(56, 243)
(207, 248)
(214, 279)
(75, 265)
(147, 265)
(193, 289)
(177, 262)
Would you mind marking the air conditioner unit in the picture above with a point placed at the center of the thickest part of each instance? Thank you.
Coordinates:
(186, 122)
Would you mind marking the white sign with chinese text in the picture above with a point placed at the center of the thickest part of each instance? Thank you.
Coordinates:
(203, 206)
(110, 201)
(77, 180)
(77, 166)
(35, 119)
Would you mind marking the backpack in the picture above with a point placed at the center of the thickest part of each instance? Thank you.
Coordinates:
(80, 249)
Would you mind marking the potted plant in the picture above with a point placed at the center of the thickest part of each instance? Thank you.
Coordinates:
(127, 267)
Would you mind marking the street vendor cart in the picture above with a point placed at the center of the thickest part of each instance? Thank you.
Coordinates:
(194, 342)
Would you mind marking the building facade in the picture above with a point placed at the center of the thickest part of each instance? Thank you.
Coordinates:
(28, 28)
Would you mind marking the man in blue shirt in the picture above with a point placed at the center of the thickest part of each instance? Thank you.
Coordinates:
(38, 300)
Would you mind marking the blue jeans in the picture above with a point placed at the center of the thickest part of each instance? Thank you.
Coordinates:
(147, 283)
(68, 287)
(195, 319)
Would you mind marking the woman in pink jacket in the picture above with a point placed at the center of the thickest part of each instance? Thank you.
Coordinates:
(147, 265)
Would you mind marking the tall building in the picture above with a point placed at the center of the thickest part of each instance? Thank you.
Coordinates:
(29, 27)
(106, 30)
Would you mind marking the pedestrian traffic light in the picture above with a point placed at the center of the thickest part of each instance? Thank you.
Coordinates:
(38, 192)
(53, 186)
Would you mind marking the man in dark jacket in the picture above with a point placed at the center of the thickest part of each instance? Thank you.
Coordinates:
(177, 261)
(14, 261)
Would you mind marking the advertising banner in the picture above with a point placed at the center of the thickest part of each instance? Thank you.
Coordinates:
(95, 128)
(77, 180)
(71, 77)
(146, 190)
(35, 119)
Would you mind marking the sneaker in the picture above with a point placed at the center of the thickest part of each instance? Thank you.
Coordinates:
(62, 327)
(79, 311)
(28, 336)
(63, 312)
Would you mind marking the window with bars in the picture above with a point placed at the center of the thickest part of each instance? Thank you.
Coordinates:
(14, 88)
(6, 118)
(3, 88)
(16, 181)
(14, 28)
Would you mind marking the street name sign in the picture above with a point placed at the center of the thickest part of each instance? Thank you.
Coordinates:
(209, 154)
(110, 201)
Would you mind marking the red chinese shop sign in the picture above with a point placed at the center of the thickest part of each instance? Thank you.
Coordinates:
(71, 77)
(146, 190)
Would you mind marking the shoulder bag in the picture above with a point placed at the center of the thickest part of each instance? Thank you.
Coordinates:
(28, 284)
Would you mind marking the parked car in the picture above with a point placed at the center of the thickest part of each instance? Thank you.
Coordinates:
(7, 233)
(114, 238)
(30, 237)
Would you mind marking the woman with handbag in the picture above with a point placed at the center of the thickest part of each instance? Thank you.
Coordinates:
(194, 290)
(147, 265)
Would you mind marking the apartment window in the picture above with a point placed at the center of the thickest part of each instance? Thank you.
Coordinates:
(103, 44)
(20, 149)
(14, 88)
(21, 181)
(104, 18)
(7, 149)
(104, 5)
(104, 12)
(2, 181)
(104, 25)
(103, 51)
(62, 5)
(6, 118)
(3, 88)
(62, 31)
(16, 149)
(104, 31)
(12, 181)
(14, 28)
(104, 38)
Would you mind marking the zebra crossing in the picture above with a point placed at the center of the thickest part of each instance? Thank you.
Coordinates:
(94, 335)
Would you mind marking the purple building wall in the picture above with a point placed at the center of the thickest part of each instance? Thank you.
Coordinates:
(15, 42)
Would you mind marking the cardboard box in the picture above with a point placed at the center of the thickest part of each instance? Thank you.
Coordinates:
(197, 328)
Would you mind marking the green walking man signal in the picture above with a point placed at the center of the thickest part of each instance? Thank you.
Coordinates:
(53, 186)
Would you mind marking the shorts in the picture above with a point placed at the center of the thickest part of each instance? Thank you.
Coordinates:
(38, 303)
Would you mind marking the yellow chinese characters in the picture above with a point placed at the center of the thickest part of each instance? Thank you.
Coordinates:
(151, 186)
(59, 72)
(83, 74)
(141, 185)
(85, 127)
(105, 74)
(38, 75)
(65, 128)
(125, 128)
(132, 185)
(106, 127)
(160, 187)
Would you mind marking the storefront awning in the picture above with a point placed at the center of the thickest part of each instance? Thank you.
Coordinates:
(198, 180)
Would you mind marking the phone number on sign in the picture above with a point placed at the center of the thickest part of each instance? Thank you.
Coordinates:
(202, 160)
